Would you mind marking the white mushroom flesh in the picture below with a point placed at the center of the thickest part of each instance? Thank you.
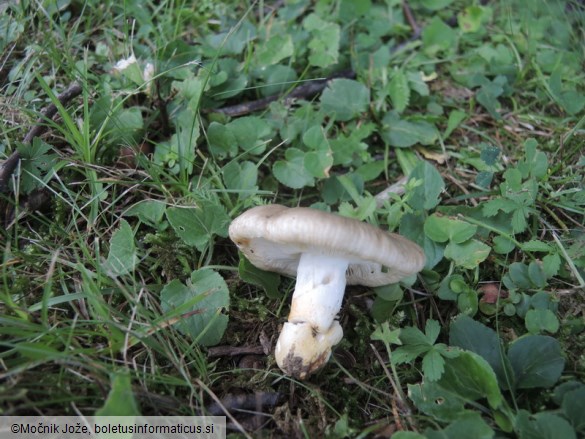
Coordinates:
(305, 343)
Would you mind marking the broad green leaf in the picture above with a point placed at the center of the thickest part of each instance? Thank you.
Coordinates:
(543, 426)
(474, 336)
(200, 306)
(471, 377)
(412, 226)
(122, 257)
(417, 83)
(536, 274)
(402, 133)
(221, 140)
(438, 37)
(241, 177)
(468, 254)
(391, 292)
(519, 275)
(573, 406)
(274, 50)
(252, 133)
(345, 99)
(537, 361)
(540, 320)
(468, 425)
(292, 172)
(324, 44)
(148, 211)
(503, 245)
(399, 91)
(471, 18)
(318, 163)
(435, 5)
(269, 281)
(407, 435)
(196, 226)
(121, 400)
(468, 302)
(442, 229)
(426, 195)
(435, 401)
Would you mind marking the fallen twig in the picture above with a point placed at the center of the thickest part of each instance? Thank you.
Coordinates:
(308, 89)
(10, 164)
(255, 401)
(234, 351)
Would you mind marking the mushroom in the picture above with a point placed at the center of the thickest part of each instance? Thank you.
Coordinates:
(325, 251)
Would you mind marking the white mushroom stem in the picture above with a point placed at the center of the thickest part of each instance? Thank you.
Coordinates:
(306, 340)
(319, 290)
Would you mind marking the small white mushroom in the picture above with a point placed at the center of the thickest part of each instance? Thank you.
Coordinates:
(324, 251)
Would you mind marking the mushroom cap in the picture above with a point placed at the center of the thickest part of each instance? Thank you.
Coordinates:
(273, 237)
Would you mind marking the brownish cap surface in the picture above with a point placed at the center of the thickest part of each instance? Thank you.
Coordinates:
(273, 237)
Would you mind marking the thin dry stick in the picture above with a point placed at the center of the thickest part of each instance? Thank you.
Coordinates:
(8, 167)
(397, 391)
(395, 188)
(222, 407)
(306, 90)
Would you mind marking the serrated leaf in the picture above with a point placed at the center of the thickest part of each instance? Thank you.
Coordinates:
(471, 377)
(345, 99)
(399, 91)
(551, 265)
(433, 365)
(534, 245)
(203, 300)
(122, 257)
(432, 330)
